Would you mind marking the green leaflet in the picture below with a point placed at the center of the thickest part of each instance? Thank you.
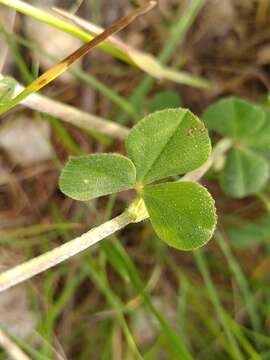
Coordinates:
(182, 213)
(166, 143)
(89, 176)
(260, 139)
(244, 173)
(234, 118)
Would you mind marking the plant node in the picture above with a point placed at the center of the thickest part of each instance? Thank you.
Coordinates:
(137, 210)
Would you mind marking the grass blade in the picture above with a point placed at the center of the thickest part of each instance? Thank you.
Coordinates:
(200, 260)
(242, 281)
(117, 255)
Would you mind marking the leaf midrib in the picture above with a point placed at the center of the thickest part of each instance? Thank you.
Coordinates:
(165, 145)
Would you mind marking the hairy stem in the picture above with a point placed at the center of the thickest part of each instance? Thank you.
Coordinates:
(72, 115)
(51, 258)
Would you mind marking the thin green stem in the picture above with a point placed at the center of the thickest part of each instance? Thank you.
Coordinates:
(242, 281)
(116, 304)
(17, 56)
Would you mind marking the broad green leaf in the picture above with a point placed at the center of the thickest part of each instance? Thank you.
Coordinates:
(89, 176)
(167, 143)
(244, 173)
(234, 118)
(164, 100)
(182, 213)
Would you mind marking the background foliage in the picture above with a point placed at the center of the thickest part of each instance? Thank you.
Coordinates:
(132, 296)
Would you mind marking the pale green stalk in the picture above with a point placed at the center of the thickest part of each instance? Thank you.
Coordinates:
(199, 257)
(242, 281)
(72, 115)
(81, 75)
(51, 258)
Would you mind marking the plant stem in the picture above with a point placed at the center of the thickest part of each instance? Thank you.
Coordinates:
(242, 281)
(135, 213)
(72, 115)
(51, 258)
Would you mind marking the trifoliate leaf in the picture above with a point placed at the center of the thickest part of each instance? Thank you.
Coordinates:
(89, 176)
(182, 213)
(234, 118)
(244, 173)
(167, 99)
(167, 143)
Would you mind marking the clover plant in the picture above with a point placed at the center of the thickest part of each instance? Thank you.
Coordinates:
(164, 144)
(246, 169)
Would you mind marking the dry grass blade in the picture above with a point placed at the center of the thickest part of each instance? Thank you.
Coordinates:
(143, 60)
(63, 65)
